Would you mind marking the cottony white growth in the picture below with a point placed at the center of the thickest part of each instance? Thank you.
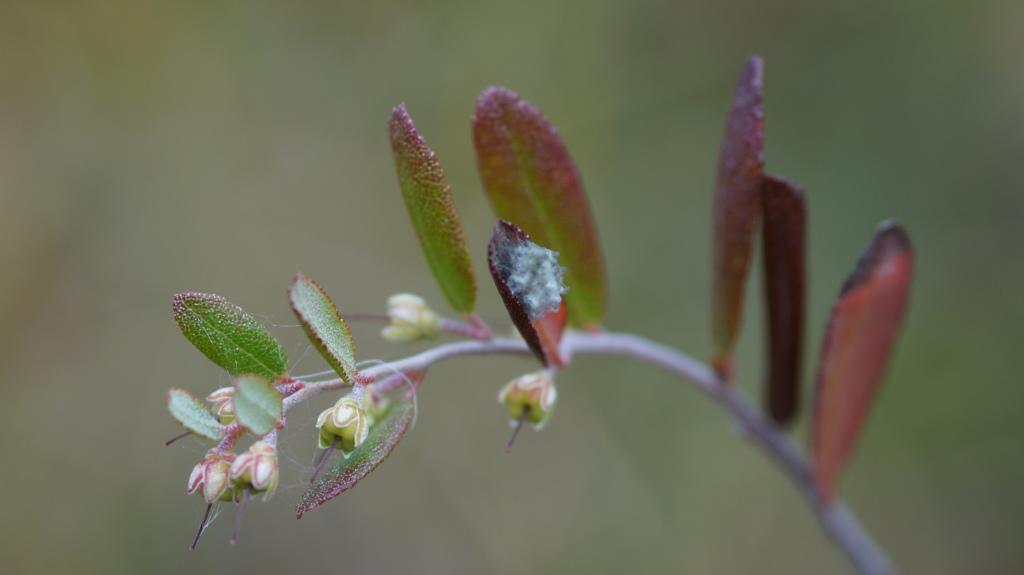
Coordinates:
(535, 278)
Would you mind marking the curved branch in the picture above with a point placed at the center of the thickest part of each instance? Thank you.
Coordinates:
(836, 520)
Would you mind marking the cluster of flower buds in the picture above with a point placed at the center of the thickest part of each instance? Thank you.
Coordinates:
(530, 397)
(223, 401)
(344, 425)
(256, 469)
(411, 319)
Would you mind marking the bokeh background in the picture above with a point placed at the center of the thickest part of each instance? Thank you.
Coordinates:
(148, 148)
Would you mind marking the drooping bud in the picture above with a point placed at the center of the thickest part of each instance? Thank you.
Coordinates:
(347, 421)
(223, 401)
(256, 469)
(411, 319)
(530, 397)
(212, 475)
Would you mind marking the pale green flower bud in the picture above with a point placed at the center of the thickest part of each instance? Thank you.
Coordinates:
(531, 396)
(347, 421)
(223, 401)
(211, 474)
(411, 319)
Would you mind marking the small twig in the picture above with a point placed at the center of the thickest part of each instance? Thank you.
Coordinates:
(837, 521)
(238, 515)
(177, 437)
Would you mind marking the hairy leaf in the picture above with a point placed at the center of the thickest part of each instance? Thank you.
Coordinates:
(347, 471)
(737, 206)
(860, 336)
(785, 249)
(258, 406)
(228, 335)
(530, 180)
(192, 414)
(323, 324)
(529, 281)
(428, 199)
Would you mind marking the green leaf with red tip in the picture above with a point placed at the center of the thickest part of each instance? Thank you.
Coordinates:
(228, 335)
(785, 247)
(258, 406)
(192, 414)
(323, 324)
(382, 439)
(737, 207)
(529, 280)
(859, 340)
(530, 180)
(428, 199)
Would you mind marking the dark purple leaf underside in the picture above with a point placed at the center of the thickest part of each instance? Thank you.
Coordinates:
(531, 180)
(542, 333)
(737, 208)
(428, 199)
(859, 339)
(348, 471)
(784, 242)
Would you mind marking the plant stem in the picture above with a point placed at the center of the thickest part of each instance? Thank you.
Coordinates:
(836, 520)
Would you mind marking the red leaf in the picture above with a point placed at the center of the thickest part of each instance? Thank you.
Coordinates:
(529, 280)
(531, 180)
(858, 341)
(737, 207)
(784, 235)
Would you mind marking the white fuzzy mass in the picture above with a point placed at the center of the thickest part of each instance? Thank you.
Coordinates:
(535, 278)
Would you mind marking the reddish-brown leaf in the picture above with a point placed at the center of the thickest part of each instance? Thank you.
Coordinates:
(529, 281)
(783, 233)
(861, 332)
(530, 179)
(737, 207)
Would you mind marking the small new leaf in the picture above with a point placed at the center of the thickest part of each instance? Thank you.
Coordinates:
(258, 406)
(784, 243)
(529, 280)
(428, 199)
(323, 324)
(737, 207)
(192, 414)
(859, 339)
(228, 335)
(531, 180)
(347, 471)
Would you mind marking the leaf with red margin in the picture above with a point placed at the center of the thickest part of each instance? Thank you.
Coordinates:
(785, 247)
(859, 339)
(737, 207)
(382, 439)
(531, 180)
(528, 279)
(428, 198)
(323, 324)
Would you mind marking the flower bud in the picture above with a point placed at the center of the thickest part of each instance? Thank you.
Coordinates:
(212, 475)
(256, 469)
(531, 396)
(411, 319)
(347, 421)
(223, 401)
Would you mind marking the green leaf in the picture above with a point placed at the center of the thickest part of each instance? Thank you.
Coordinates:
(323, 324)
(347, 471)
(228, 335)
(258, 406)
(428, 199)
(192, 414)
(531, 181)
(737, 210)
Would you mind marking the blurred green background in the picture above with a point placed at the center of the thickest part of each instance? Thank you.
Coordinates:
(148, 148)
